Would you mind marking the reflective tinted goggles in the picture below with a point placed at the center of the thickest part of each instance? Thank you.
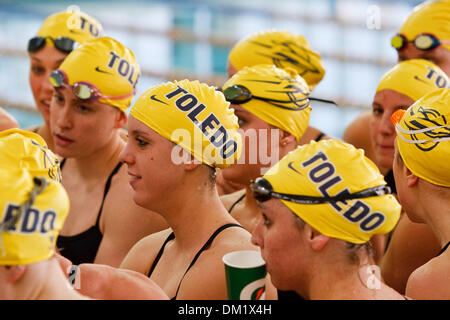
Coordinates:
(424, 41)
(238, 94)
(83, 90)
(263, 191)
(63, 44)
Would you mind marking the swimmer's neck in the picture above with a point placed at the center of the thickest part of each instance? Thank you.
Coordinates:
(196, 216)
(100, 162)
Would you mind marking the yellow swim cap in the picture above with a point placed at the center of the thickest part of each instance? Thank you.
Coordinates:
(331, 168)
(195, 116)
(423, 137)
(429, 17)
(33, 204)
(279, 96)
(414, 78)
(109, 66)
(75, 25)
(26, 150)
(281, 48)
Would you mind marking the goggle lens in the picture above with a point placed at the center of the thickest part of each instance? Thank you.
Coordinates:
(35, 44)
(424, 42)
(56, 79)
(63, 44)
(397, 42)
(82, 91)
(261, 189)
(236, 94)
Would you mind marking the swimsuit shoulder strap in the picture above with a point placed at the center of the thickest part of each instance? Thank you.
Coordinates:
(205, 246)
(158, 256)
(443, 249)
(105, 191)
(236, 202)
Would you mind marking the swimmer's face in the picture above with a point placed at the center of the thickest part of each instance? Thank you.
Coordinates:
(231, 70)
(439, 56)
(42, 63)
(259, 139)
(384, 104)
(81, 128)
(153, 174)
(281, 241)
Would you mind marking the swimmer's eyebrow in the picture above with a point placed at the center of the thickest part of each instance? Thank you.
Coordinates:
(57, 63)
(137, 132)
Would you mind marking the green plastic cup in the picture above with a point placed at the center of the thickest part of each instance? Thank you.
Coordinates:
(245, 273)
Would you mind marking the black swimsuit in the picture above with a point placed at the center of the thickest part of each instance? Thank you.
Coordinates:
(205, 247)
(83, 247)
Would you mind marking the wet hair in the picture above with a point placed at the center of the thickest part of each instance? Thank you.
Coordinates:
(212, 175)
(353, 251)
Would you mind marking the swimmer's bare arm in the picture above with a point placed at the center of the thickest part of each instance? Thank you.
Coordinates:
(310, 134)
(206, 280)
(225, 187)
(229, 199)
(357, 133)
(100, 281)
(124, 223)
(108, 283)
(143, 253)
(411, 246)
(431, 281)
(7, 121)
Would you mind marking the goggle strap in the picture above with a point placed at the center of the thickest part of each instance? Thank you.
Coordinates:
(399, 128)
(323, 100)
(372, 192)
(412, 132)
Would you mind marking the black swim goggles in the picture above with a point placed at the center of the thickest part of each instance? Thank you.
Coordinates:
(423, 41)
(63, 44)
(263, 191)
(238, 94)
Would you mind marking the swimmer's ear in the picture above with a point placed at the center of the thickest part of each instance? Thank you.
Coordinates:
(286, 138)
(14, 273)
(315, 239)
(121, 119)
(190, 163)
(411, 178)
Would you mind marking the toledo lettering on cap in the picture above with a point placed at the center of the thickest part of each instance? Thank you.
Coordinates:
(189, 102)
(439, 81)
(93, 30)
(323, 173)
(123, 67)
(77, 21)
(33, 220)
